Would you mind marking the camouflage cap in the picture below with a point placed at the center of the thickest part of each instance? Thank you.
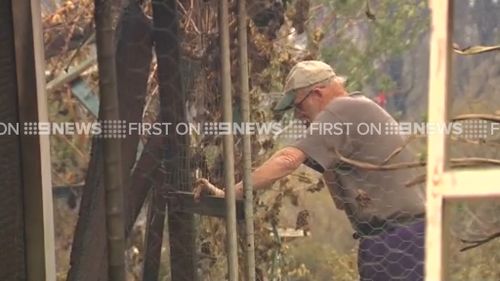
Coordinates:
(303, 74)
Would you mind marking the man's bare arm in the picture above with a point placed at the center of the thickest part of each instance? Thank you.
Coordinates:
(280, 165)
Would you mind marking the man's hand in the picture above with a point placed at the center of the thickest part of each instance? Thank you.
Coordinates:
(203, 186)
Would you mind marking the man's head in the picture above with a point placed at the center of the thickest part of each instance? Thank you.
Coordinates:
(309, 87)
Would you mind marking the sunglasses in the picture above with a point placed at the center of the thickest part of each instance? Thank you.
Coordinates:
(297, 105)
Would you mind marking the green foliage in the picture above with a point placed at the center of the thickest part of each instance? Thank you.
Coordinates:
(314, 261)
(360, 47)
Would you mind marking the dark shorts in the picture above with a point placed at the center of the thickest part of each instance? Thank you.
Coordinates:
(395, 255)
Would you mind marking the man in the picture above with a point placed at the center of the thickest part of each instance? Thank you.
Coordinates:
(386, 215)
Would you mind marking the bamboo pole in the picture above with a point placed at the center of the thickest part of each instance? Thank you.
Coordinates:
(247, 150)
(232, 245)
(28, 65)
(115, 227)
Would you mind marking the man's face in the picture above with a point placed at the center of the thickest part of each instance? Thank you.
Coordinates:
(307, 104)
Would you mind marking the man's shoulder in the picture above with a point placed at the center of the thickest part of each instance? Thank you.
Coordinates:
(353, 104)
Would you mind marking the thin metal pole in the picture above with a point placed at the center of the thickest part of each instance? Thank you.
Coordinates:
(115, 225)
(232, 246)
(247, 150)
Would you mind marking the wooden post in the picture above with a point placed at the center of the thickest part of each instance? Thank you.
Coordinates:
(35, 149)
(444, 184)
(109, 108)
(437, 158)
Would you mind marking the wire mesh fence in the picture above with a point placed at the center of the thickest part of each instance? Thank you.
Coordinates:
(475, 108)
(11, 218)
(364, 215)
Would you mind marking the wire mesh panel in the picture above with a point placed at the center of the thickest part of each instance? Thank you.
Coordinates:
(11, 218)
(472, 228)
(470, 155)
(473, 102)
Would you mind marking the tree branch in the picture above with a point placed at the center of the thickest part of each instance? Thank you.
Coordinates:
(417, 180)
(455, 163)
(474, 50)
(486, 117)
(477, 243)
(398, 150)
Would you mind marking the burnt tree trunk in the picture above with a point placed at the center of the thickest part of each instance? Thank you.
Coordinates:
(175, 154)
(133, 60)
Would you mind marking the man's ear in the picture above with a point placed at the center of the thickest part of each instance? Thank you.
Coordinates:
(318, 92)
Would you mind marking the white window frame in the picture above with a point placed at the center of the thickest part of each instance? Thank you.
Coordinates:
(443, 183)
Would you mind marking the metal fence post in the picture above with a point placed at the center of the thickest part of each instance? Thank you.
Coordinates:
(247, 150)
(228, 143)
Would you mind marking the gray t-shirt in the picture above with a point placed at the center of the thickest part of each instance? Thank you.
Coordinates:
(359, 129)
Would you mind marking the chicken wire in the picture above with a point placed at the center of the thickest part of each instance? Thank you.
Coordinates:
(11, 216)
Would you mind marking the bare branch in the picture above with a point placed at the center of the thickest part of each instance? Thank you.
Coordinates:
(477, 243)
(368, 12)
(455, 163)
(472, 161)
(399, 149)
(418, 180)
(486, 117)
(474, 50)
(469, 141)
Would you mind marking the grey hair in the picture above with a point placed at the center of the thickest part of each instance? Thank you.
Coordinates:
(337, 79)
(327, 82)
(340, 79)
